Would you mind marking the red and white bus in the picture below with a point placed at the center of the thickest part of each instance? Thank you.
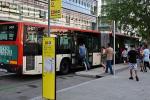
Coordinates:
(21, 47)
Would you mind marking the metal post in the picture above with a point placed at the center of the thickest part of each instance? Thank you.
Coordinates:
(49, 32)
(97, 21)
(114, 45)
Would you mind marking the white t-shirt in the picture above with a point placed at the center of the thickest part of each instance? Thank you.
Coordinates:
(146, 55)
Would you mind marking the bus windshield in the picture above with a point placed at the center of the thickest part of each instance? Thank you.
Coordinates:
(8, 32)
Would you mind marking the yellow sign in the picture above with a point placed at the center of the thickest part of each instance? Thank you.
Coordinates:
(49, 90)
(55, 8)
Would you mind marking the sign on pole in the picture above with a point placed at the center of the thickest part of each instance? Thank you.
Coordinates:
(55, 8)
(48, 60)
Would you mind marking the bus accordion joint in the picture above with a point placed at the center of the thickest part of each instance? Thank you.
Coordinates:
(12, 62)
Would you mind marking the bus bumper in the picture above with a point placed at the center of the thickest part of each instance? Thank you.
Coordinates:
(11, 68)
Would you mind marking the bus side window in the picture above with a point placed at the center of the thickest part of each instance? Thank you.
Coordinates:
(33, 40)
(96, 45)
(88, 44)
(64, 44)
(40, 34)
(30, 34)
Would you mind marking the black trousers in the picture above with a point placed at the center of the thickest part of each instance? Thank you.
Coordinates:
(146, 64)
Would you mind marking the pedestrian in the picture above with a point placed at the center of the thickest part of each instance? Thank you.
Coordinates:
(109, 53)
(146, 58)
(103, 57)
(132, 56)
(124, 55)
(140, 57)
(83, 56)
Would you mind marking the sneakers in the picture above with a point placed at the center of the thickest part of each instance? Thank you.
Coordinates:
(145, 70)
(141, 70)
(137, 79)
(130, 78)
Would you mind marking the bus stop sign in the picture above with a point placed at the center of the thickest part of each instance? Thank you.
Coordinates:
(48, 72)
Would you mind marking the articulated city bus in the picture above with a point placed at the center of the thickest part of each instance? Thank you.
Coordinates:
(21, 47)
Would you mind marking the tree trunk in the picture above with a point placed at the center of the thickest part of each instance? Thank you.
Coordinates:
(147, 40)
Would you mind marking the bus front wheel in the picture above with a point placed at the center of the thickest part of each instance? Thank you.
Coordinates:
(64, 67)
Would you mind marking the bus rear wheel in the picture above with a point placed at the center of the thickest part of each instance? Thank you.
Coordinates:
(65, 67)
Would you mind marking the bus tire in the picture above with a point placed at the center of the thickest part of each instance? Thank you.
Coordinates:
(65, 66)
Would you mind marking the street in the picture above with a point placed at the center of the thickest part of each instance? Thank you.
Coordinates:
(14, 87)
(75, 87)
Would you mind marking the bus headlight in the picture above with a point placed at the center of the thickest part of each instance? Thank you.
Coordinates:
(12, 62)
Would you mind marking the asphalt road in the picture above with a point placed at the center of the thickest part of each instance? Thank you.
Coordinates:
(14, 87)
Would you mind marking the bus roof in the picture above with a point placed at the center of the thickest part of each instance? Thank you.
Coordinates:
(122, 35)
(54, 27)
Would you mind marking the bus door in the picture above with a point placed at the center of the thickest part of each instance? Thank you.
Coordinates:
(82, 38)
(96, 51)
(88, 44)
(79, 40)
(75, 50)
(32, 50)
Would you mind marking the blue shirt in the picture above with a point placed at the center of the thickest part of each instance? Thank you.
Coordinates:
(82, 51)
(146, 55)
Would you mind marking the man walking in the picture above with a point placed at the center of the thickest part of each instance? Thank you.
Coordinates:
(109, 53)
(132, 55)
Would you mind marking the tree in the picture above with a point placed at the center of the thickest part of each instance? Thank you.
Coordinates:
(131, 15)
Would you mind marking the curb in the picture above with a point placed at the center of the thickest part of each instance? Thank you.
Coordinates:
(96, 73)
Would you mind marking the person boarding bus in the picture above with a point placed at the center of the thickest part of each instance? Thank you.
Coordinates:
(82, 54)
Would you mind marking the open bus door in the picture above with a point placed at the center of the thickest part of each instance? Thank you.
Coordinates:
(32, 50)
(88, 45)
(79, 40)
(75, 50)
(86, 41)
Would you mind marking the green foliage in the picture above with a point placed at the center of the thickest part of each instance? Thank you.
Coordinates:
(130, 14)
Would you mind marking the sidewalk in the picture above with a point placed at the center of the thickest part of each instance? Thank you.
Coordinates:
(100, 72)
(117, 87)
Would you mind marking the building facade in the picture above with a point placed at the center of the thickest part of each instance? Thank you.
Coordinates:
(105, 25)
(75, 13)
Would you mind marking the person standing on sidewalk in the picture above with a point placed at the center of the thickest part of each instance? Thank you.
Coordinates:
(109, 53)
(146, 58)
(140, 57)
(132, 56)
(124, 55)
(103, 57)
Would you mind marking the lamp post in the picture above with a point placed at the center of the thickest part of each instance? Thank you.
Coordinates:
(114, 33)
(49, 18)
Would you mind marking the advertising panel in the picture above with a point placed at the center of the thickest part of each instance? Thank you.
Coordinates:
(49, 91)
